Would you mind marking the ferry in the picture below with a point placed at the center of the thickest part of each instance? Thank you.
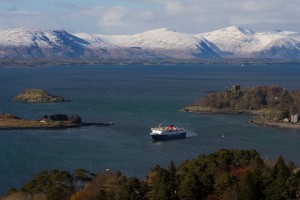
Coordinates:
(170, 132)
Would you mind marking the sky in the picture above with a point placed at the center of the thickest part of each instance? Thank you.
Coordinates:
(135, 16)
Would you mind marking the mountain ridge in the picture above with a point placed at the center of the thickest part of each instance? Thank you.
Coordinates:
(229, 42)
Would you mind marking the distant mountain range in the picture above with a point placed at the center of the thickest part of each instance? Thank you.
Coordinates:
(231, 42)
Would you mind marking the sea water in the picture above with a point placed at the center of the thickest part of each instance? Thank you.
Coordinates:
(134, 98)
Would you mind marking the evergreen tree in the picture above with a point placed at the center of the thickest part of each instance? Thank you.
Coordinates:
(293, 185)
(81, 176)
(277, 188)
(60, 185)
(173, 181)
(248, 187)
(158, 181)
(133, 190)
(190, 187)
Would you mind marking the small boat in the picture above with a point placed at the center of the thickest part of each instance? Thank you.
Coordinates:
(170, 132)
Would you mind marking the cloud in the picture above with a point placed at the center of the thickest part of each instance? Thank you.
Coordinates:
(15, 11)
(133, 16)
(116, 18)
(67, 5)
(114, 15)
(12, 1)
(173, 7)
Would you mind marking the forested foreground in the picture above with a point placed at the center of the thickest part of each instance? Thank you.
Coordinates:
(226, 174)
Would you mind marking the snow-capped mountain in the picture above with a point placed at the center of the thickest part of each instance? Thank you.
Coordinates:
(240, 42)
(230, 42)
(30, 43)
(161, 42)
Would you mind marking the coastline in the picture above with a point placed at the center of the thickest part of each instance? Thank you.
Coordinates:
(248, 112)
(57, 121)
(55, 61)
(36, 125)
(193, 109)
(276, 125)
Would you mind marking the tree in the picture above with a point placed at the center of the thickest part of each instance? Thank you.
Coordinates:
(285, 101)
(81, 176)
(277, 188)
(60, 185)
(248, 187)
(38, 184)
(133, 190)
(59, 117)
(224, 182)
(173, 181)
(293, 185)
(158, 182)
(76, 119)
(190, 187)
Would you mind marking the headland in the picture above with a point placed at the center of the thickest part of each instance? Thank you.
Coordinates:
(270, 105)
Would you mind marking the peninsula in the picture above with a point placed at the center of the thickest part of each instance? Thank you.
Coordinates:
(271, 105)
(37, 96)
(56, 121)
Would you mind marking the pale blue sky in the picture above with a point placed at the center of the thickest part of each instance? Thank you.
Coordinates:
(134, 16)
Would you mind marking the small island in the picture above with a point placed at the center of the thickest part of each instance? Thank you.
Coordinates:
(37, 96)
(271, 105)
(55, 121)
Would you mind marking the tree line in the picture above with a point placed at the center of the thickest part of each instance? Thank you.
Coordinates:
(225, 174)
(276, 100)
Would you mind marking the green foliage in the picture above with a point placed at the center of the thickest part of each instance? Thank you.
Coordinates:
(248, 187)
(60, 185)
(133, 190)
(226, 174)
(285, 101)
(293, 185)
(173, 180)
(158, 181)
(279, 102)
(277, 188)
(76, 119)
(56, 185)
(190, 187)
(59, 117)
(224, 182)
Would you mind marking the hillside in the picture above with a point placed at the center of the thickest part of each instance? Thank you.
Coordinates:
(230, 42)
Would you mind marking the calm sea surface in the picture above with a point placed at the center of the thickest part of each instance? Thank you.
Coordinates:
(135, 98)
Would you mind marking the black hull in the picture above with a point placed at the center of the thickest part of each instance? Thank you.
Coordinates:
(164, 137)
